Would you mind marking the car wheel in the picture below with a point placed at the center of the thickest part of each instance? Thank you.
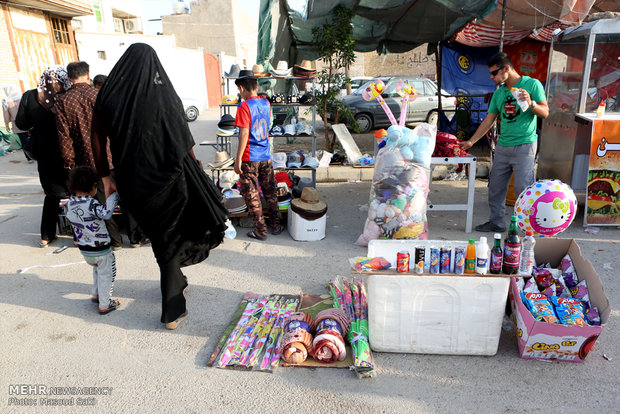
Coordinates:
(191, 113)
(432, 118)
(365, 122)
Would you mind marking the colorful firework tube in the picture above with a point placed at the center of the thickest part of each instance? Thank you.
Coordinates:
(459, 260)
(444, 259)
(434, 266)
(402, 261)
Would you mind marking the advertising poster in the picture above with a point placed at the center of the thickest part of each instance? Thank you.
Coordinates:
(603, 194)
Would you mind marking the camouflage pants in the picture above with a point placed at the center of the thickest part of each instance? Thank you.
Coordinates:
(253, 173)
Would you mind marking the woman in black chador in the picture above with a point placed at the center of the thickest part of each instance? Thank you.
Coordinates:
(157, 176)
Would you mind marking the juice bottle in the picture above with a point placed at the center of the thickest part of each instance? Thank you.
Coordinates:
(496, 255)
(470, 257)
(512, 248)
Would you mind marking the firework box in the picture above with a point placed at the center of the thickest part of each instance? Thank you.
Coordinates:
(547, 341)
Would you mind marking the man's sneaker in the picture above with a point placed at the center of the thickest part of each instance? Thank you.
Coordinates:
(112, 305)
(489, 227)
(174, 324)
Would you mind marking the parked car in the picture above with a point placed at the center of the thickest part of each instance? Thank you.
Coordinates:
(192, 108)
(356, 82)
(369, 114)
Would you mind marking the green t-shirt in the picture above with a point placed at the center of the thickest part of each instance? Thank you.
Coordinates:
(517, 127)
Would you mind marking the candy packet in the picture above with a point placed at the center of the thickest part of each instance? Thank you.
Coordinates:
(549, 290)
(570, 311)
(592, 316)
(568, 271)
(531, 286)
(543, 277)
(581, 292)
(540, 307)
(516, 94)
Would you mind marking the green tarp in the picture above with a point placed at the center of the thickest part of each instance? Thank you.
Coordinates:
(395, 26)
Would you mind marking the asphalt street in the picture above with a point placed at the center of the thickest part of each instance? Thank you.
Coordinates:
(52, 335)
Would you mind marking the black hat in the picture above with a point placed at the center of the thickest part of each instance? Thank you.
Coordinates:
(227, 122)
(246, 74)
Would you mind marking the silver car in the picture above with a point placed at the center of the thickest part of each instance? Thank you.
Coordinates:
(369, 114)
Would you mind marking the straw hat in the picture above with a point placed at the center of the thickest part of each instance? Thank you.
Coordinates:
(309, 201)
(305, 65)
(259, 71)
(222, 160)
(282, 70)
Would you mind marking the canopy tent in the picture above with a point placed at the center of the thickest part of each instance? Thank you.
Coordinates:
(395, 26)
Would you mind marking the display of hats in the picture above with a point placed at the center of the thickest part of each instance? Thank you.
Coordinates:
(308, 205)
(233, 72)
(300, 184)
(278, 160)
(229, 99)
(295, 159)
(307, 99)
(282, 70)
(228, 179)
(284, 196)
(233, 202)
(310, 162)
(304, 69)
(277, 131)
(221, 160)
(259, 71)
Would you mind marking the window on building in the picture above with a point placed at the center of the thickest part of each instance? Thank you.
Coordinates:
(61, 31)
(97, 12)
(101, 54)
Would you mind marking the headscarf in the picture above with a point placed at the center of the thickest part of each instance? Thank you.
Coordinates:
(171, 198)
(12, 94)
(46, 93)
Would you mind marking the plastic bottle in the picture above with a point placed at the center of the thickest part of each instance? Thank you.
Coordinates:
(600, 111)
(470, 257)
(512, 248)
(482, 256)
(496, 255)
(527, 254)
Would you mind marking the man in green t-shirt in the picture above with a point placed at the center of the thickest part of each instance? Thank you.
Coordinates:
(517, 102)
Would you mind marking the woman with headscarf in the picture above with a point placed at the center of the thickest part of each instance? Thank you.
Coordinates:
(9, 111)
(157, 176)
(37, 113)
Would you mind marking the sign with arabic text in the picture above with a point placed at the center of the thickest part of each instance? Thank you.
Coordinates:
(603, 194)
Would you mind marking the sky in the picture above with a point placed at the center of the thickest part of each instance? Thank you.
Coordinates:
(154, 9)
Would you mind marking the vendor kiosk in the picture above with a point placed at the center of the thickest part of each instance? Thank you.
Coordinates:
(577, 146)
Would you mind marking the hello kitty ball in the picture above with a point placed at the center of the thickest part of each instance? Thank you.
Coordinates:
(546, 207)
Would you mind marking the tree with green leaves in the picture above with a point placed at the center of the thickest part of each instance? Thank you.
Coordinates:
(335, 45)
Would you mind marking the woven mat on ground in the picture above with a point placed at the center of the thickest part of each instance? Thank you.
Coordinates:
(313, 304)
(233, 322)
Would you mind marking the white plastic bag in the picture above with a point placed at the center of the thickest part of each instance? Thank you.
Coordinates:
(230, 232)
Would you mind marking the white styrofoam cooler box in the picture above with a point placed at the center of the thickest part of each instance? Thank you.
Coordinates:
(455, 315)
(389, 248)
(301, 229)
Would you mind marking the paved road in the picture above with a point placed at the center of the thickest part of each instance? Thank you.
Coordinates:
(52, 335)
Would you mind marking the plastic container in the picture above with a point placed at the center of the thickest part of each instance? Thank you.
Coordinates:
(526, 262)
(301, 229)
(450, 315)
(470, 257)
(600, 111)
(482, 256)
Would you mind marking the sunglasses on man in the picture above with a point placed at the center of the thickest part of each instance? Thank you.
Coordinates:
(496, 71)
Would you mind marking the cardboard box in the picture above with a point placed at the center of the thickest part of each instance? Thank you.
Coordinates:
(547, 341)
(301, 229)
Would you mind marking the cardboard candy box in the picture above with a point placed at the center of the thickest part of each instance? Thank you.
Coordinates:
(547, 341)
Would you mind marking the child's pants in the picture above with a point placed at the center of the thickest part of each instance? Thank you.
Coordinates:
(104, 272)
